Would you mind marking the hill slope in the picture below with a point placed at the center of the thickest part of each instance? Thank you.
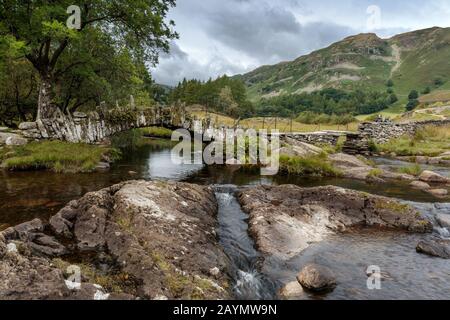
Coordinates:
(413, 60)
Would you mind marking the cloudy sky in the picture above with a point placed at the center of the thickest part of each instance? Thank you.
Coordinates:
(235, 36)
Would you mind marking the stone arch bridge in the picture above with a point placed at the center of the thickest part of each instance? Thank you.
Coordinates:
(95, 126)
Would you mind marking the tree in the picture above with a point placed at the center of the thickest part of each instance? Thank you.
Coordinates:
(393, 99)
(390, 83)
(427, 90)
(38, 27)
(413, 95)
(438, 82)
(412, 104)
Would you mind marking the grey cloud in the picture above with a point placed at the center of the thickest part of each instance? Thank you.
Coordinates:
(270, 33)
(176, 65)
(252, 32)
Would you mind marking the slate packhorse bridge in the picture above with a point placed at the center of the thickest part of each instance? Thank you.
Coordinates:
(95, 126)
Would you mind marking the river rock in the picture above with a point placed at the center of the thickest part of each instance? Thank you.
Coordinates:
(350, 166)
(438, 192)
(317, 278)
(25, 277)
(434, 248)
(430, 176)
(443, 220)
(28, 126)
(285, 220)
(293, 290)
(154, 231)
(301, 149)
(15, 140)
(420, 185)
(147, 238)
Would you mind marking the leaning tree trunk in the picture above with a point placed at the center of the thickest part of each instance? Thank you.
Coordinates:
(45, 108)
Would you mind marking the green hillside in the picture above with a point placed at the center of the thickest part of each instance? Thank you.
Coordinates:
(414, 60)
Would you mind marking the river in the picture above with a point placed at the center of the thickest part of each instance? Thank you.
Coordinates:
(27, 195)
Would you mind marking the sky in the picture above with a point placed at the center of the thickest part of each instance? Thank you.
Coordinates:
(236, 36)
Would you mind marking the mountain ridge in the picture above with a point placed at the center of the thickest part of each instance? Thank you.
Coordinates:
(413, 60)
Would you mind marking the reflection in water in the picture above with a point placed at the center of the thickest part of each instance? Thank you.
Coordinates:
(26, 195)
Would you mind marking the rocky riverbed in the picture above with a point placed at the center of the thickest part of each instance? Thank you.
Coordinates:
(150, 240)
(157, 240)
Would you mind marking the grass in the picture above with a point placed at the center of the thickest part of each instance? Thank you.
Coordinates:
(57, 156)
(114, 282)
(281, 124)
(375, 173)
(157, 132)
(181, 286)
(317, 166)
(414, 170)
(430, 141)
(436, 96)
(392, 206)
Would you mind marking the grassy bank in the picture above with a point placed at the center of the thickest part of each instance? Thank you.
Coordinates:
(430, 141)
(56, 156)
(157, 132)
(317, 166)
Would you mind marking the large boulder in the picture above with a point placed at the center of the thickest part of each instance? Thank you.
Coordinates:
(24, 276)
(430, 176)
(285, 220)
(440, 193)
(440, 249)
(443, 220)
(161, 234)
(140, 239)
(317, 278)
(420, 185)
(292, 290)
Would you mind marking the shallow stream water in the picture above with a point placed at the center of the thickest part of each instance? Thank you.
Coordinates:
(408, 275)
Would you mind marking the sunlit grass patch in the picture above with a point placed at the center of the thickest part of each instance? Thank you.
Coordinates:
(157, 132)
(315, 165)
(414, 170)
(56, 156)
(430, 141)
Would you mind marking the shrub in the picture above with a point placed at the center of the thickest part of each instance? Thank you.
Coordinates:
(413, 95)
(412, 104)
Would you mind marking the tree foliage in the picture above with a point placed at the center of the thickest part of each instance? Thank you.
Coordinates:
(104, 60)
(327, 101)
(225, 95)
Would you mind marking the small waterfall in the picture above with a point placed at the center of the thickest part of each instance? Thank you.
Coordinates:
(233, 234)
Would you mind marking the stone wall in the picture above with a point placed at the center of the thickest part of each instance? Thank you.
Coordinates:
(317, 138)
(95, 126)
(381, 131)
